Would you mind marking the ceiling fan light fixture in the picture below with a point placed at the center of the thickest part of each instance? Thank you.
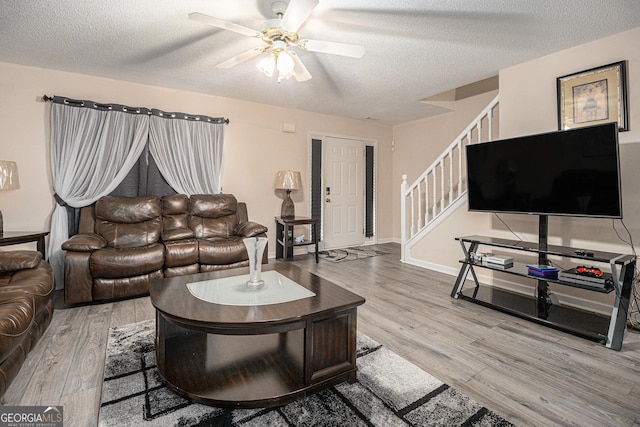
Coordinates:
(279, 35)
(284, 63)
(268, 64)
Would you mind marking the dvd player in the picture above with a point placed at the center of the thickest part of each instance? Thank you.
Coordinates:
(571, 276)
(500, 260)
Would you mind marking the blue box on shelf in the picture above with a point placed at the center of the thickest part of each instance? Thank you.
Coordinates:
(542, 271)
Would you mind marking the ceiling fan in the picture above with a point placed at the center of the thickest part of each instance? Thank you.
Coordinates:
(280, 35)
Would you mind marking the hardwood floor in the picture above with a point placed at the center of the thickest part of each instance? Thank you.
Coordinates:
(531, 375)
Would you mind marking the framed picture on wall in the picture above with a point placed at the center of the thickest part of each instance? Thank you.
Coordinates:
(593, 97)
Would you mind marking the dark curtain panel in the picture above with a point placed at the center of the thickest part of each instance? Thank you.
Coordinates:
(316, 179)
(73, 219)
(144, 179)
(369, 190)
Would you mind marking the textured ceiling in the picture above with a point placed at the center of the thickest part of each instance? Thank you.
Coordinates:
(415, 48)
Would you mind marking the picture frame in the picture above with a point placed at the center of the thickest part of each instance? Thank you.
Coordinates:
(592, 97)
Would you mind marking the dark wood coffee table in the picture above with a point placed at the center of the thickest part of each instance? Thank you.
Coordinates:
(255, 356)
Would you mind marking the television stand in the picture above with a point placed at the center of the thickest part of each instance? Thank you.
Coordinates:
(606, 329)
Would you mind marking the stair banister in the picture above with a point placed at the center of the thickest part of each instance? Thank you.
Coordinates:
(427, 215)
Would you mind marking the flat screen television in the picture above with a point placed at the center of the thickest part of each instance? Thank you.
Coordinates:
(574, 172)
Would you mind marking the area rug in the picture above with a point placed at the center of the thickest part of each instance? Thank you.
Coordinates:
(349, 254)
(390, 392)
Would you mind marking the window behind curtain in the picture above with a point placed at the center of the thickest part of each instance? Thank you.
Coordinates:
(144, 179)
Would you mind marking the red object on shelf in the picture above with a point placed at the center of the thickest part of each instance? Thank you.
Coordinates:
(589, 271)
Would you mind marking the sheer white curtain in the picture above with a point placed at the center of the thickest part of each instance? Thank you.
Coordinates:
(188, 153)
(92, 150)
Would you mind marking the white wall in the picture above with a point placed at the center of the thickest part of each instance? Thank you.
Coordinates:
(528, 105)
(255, 146)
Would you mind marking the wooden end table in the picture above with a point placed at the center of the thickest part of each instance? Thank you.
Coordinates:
(284, 229)
(17, 237)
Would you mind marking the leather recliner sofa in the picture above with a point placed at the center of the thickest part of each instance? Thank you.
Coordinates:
(26, 308)
(125, 242)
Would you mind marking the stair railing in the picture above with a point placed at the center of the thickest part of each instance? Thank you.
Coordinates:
(442, 184)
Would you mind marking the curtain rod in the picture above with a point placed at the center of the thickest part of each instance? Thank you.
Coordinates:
(136, 110)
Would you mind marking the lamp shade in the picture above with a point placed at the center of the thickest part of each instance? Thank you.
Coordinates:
(9, 175)
(268, 64)
(288, 180)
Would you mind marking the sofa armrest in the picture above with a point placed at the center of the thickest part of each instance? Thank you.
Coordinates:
(12, 261)
(85, 243)
(249, 229)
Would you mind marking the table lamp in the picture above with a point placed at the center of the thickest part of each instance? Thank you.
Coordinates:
(288, 180)
(8, 181)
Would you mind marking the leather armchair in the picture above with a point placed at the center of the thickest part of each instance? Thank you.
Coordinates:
(26, 308)
(120, 256)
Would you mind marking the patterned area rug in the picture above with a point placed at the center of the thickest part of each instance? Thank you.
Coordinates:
(390, 392)
(349, 254)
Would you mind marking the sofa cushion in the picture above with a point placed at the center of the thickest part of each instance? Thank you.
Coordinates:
(175, 218)
(205, 228)
(213, 215)
(205, 268)
(175, 204)
(127, 222)
(112, 263)
(127, 210)
(37, 282)
(180, 253)
(16, 314)
(124, 287)
(182, 270)
(213, 205)
(122, 236)
(176, 233)
(12, 261)
(222, 251)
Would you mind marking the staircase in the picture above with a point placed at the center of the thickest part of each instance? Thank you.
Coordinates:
(442, 186)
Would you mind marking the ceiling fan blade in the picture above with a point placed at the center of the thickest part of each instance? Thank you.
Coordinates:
(300, 72)
(297, 12)
(344, 49)
(209, 20)
(242, 57)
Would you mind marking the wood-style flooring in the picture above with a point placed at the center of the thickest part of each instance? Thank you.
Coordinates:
(529, 374)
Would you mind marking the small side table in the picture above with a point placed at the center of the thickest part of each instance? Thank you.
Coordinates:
(284, 229)
(17, 237)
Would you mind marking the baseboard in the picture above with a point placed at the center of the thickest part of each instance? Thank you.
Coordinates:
(387, 240)
(431, 266)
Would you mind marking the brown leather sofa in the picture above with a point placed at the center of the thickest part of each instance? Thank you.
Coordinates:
(124, 242)
(26, 308)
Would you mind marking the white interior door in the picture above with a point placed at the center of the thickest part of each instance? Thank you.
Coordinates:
(343, 166)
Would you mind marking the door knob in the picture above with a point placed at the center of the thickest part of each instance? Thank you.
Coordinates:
(328, 200)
